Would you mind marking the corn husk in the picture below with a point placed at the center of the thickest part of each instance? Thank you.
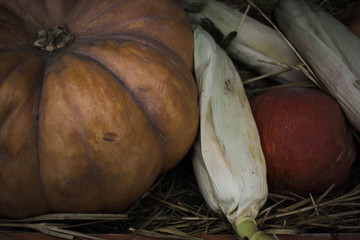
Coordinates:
(228, 160)
(329, 47)
(255, 45)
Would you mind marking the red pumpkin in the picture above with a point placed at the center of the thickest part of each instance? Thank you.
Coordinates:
(97, 99)
(305, 139)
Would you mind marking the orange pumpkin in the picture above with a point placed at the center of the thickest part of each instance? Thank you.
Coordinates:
(97, 99)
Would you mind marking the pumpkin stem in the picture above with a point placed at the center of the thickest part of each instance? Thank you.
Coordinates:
(53, 39)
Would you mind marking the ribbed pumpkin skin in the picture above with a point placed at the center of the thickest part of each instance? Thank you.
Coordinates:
(90, 127)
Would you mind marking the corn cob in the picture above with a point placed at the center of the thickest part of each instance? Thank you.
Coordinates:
(228, 160)
(255, 44)
(329, 47)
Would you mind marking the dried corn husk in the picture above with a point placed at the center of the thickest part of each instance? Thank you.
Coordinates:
(228, 160)
(329, 47)
(255, 44)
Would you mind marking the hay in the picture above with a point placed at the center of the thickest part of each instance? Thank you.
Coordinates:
(174, 208)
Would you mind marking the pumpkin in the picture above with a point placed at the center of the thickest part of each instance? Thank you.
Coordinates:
(306, 140)
(97, 98)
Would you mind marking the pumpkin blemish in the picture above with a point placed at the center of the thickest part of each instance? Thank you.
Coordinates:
(110, 137)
